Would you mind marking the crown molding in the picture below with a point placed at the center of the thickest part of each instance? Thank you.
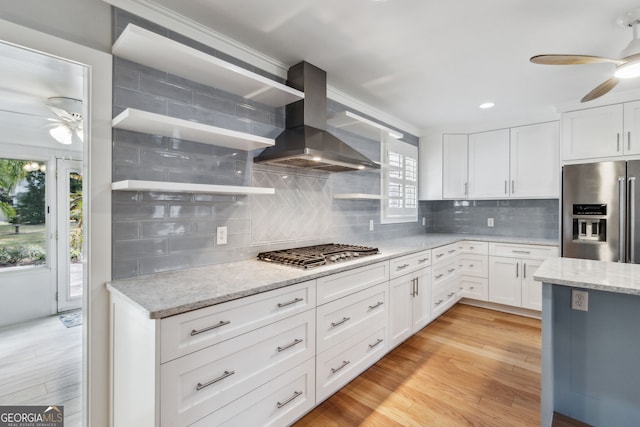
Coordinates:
(608, 99)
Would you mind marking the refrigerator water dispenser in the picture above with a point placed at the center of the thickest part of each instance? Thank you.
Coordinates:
(589, 222)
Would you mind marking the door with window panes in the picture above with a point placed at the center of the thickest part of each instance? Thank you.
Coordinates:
(399, 182)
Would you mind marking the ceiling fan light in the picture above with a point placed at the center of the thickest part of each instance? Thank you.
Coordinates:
(62, 134)
(628, 70)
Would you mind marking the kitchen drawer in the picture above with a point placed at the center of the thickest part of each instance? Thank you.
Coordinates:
(347, 316)
(409, 263)
(474, 265)
(341, 363)
(476, 288)
(522, 251)
(195, 330)
(475, 247)
(338, 285)
(199, 383)
(444, 253)
(444, 298)
(445, 271)
(276, 403)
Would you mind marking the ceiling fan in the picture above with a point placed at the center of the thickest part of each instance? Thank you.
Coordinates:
(628, 66)
(69, 112)
(67, 121)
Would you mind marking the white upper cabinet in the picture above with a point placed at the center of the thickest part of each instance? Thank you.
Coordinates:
(454, 166)
(489, 165)
(592, 133)
(535, 166)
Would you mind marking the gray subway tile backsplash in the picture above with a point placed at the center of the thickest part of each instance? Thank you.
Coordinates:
(162, 231)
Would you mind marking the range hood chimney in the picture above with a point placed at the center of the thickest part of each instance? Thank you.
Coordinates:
(305, 143)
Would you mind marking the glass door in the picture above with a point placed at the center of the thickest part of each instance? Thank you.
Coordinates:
(70, 234)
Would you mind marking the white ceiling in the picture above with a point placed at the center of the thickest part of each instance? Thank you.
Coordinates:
(27, 80)
(431, 63)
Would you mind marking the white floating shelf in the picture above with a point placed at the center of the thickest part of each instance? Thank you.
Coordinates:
(181, 187)
(158, 124)
(358, 196)
(359, 125)
(153, 50)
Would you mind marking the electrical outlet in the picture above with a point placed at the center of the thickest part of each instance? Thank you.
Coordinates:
(370, 225)
(424, 221)
(579, 300)
(221, 235)
(489, 222)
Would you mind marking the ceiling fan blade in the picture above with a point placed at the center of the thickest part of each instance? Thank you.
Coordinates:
(601, 89)
(572, 59)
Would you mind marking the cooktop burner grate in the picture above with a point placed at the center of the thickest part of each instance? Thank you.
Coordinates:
(314, 256)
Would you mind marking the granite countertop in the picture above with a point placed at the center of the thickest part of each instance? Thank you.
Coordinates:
(588, 274)
(166, 294)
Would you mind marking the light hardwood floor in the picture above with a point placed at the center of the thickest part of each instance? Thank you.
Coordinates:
(41, 364)
(471, 366)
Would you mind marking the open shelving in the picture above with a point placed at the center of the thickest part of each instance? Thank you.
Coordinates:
(359, 125)
(159, 124)
(357, 196)
(156, 51)
(181, 187)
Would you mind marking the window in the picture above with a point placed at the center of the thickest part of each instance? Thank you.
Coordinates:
(22, 213)
(399, 182)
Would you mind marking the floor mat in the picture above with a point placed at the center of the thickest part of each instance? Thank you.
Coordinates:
(73, 319)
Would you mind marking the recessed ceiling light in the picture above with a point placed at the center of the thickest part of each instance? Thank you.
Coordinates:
(487, 105)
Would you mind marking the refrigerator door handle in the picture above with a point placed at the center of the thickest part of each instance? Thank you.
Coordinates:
(632, 218)
(622, 247)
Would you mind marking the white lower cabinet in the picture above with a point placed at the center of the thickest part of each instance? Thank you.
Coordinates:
(410, 305)
(511, 270)
(342, 363)
(276, 403)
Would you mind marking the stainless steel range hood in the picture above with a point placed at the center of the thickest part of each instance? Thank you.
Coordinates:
(305, 143)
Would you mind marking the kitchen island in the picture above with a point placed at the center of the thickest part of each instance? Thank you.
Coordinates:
(590, 359)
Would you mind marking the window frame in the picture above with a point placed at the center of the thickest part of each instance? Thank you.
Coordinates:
(408, 159)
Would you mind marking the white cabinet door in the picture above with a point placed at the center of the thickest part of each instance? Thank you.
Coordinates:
(489, 164)
(535, 163)
(632, 127)
(591, 133)
(454, 166)
(531, 289)
(421, 300)
(504, 281)
(400, 312)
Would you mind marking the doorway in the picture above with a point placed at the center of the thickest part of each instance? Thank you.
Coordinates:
(69, 204)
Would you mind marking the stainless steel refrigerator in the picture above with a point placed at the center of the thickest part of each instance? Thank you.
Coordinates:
(599, 211)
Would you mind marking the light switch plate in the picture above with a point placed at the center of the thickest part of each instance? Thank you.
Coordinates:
(489, 222)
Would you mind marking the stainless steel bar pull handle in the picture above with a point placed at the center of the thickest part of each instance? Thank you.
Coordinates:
(622, 226)
(226, 374)
(520, 252)
(632, 219)
(513, 186)
(439, 275)
(505, 187)
(466, 188)
(293, 301)
(376, 343)
(524, 270)
(618, 141)
(629, 140)
(289, 400)
(400, 267)
(417, 287)
(344, 363)
(340, 322)
(423, 260)
(217, 325)
(517, 269)
(373, 307)
(295, 342)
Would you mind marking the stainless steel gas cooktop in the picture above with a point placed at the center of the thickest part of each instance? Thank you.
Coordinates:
(314, 256)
